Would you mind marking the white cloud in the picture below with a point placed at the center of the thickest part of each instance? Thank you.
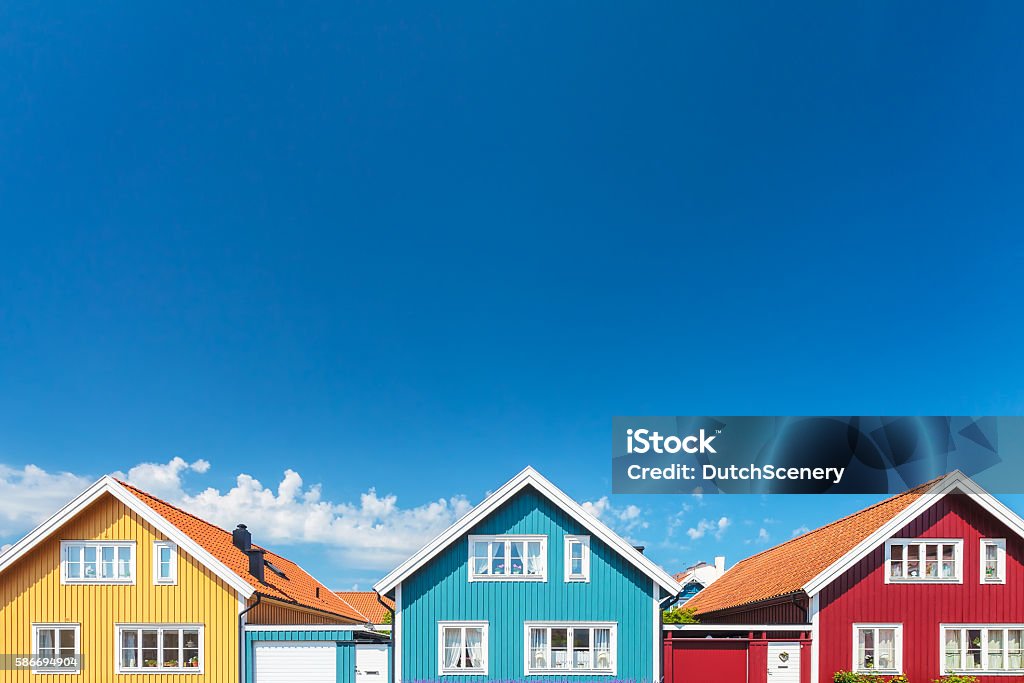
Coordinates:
(374, 532)
(624, 520)
(5, 547)
(705, 526)
(162, 479)
(31, 494)
(763, 537)
(800, 531)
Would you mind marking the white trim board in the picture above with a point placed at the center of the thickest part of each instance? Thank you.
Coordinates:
(738, 627)
(955, 481)
(108, 484)
(528, 477)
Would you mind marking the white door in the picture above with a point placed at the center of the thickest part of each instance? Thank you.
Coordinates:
(372, 663)
(287, 662)
(783, 662)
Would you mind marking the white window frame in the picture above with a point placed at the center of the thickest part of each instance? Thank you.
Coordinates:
(76, 627)
(98, 545)
(584, 541)
(897, 648)
(509, 539)
(963, 628)
(958, 559)
(613, 646)
(1000, 544)
(160, 628)
(172, 579)
(446, 671)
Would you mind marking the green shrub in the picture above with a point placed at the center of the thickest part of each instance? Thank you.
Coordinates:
(956, 679)
(678, 615)
(854, 677)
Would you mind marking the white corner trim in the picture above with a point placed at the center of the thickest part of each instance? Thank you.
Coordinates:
(396, 635)
(951, 482)
(814, 610)
(656, 593)
(108, 484)
(528, 477)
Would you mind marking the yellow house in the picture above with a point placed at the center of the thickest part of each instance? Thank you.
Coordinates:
(122, 586)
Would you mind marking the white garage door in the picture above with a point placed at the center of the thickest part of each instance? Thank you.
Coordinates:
(290, 662)
(372, 663)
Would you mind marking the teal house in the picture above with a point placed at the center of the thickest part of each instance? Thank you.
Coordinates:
(527, 585)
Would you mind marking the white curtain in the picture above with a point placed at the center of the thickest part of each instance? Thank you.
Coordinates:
(475, 645)
(995, 649)
(603, 648)
(46, 642)
(539, 648)
(533, 565)
(886, 648)
(452, 647)
(953, 649)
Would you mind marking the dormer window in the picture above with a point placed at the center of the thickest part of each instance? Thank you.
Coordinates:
(577, 558)
(924, 560)
(508, 558)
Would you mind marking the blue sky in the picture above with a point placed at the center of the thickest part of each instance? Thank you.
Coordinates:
(412, 249)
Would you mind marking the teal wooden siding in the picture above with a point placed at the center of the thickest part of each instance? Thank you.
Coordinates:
(440, 591)
(342, 638)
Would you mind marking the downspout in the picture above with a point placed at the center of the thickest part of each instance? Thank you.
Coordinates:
(242, 647)
(391, 649)
(796, 603)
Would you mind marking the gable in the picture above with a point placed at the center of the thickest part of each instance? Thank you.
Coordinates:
(532, 479)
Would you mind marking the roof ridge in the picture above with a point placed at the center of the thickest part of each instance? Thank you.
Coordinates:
(916, 491)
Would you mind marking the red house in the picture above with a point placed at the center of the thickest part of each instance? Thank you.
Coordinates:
(925, 583)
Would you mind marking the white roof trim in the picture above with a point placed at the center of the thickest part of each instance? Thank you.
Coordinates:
(528, 477)
(951, 482)
(110, 485)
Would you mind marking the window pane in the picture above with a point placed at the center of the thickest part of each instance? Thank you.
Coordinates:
(89, 568)
(129, 649)
(995, 649)
(952, 640)
(66, 644)
(107, 565)
(913, 561)
(581, 648)
(474, 647)
(931, 563)
(171, 643)
(973, 649)
(498, 558)
(124, 562)
(576, 567)
(559, 648)
(534, 561)
(480, 556)
(1014, 654)
(149, 648)
(885, 649)
(517, 557)
(866, 648)
(539, 648)
(602, 648)
(45, 642)
(190, 648)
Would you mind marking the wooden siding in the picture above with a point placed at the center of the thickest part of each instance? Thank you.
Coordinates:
(268, 612)
(31, 592)
(617, 592)
(788, 611)
(861, 594)
(346, 650)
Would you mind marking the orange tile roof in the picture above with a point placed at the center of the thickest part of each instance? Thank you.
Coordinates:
(786, 568)
(366, 603)
(295, 587)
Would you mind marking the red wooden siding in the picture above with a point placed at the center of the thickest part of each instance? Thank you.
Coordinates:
(789, 611)
(861, 595)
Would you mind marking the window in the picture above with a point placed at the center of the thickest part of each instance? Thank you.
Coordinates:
(923, 560)
(570, 648)
(56, 648)
(993, 560)
(159, 648)
(165, 563)
(577, 558)
(462, 647)
(97, 562)
(979, 649)
(508, 558)
(878, 648)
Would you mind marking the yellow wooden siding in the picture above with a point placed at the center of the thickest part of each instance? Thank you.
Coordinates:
(267, 612)
(31, 592)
